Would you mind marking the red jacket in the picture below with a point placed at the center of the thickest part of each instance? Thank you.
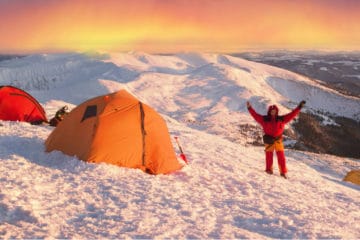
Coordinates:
(274, 126)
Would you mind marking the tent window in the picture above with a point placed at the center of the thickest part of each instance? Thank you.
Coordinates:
(91, 111)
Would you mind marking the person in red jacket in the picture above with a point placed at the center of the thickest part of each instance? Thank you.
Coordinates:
(273, 127)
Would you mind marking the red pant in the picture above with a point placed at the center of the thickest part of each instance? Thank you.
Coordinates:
(269, 152)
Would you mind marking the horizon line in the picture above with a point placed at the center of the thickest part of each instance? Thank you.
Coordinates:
(245, 50)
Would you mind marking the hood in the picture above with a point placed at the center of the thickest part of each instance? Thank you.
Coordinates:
(271, 108)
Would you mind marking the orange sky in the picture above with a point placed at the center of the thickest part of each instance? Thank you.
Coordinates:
(177, 25)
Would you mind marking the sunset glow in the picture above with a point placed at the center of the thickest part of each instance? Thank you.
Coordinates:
(177, 25)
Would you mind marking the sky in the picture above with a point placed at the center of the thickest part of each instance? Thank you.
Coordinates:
(164, 26)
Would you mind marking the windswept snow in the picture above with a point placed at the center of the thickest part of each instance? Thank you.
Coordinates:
(223, 192)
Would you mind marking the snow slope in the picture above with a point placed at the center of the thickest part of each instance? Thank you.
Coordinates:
(207, 91)
(222, 193)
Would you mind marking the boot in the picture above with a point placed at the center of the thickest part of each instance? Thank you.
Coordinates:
(283, 175)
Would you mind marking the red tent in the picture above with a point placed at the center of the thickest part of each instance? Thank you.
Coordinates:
(17, 105)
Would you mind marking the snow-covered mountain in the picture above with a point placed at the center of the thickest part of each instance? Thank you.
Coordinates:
(339, 70)
(222, 193)
(206, 90)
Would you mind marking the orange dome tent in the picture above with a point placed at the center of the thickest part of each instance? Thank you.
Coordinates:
(116, 129)
(18, 105)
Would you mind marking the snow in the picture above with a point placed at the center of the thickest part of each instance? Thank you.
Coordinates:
(324, 69)
(222, 193)
(354, 76)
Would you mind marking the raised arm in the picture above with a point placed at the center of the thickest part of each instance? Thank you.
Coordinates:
(254, 114)
(290, 116)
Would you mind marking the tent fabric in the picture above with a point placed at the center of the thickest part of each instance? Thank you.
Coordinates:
(353, 176)
(18, 105)
(113, 129)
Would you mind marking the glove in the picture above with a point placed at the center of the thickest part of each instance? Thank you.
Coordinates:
(248, 105)
(301, 104)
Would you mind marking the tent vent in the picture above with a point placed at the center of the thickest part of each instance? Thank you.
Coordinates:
(90, 111)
